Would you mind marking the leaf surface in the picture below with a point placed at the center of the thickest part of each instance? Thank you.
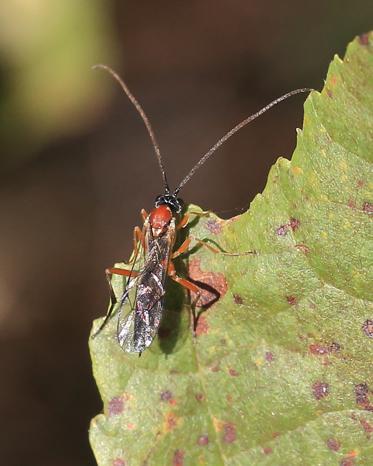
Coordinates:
(280, 372)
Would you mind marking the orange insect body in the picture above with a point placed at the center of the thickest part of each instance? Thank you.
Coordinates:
(159, 219)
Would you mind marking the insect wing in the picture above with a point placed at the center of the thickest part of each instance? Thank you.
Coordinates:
(137, 329)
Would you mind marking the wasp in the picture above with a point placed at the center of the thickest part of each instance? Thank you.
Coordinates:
(137, 329)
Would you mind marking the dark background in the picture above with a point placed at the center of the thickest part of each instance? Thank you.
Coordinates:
(76, 165)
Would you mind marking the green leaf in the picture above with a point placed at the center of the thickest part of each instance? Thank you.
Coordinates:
(280, 372)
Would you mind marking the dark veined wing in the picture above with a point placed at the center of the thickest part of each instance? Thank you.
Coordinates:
(137, 329)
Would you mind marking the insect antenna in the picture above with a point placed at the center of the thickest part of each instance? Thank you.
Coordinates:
(234, 130)
(144, 118)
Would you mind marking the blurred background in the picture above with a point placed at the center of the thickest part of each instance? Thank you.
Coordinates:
(76, 165)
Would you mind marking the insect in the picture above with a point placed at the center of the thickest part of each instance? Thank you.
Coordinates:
(137, 329)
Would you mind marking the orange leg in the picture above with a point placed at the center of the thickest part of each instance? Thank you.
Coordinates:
(182, 281)
(144, 214)
(138, 237)
(115, 271)
(189, 286)
(183, 222)
(182, 248)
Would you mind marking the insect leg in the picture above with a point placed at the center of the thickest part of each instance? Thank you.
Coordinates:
(113, 299)
(138, 237)
(144, 214)
(183, 222)
(189, 286)
(182, 248)
(216, 250)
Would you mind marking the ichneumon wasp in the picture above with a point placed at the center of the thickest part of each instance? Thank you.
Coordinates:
(156, 240)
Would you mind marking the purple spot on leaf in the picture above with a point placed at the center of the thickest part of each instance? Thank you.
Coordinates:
(269, 356)
(282, 230)
(230, 433)
(166, 395)
(367, 426)
(178, 459)
(364, 39)
(115, 406)
(203, 440)
(333, 444)
(320, 390)
(368, 207)
(368, 328)
(292, 300)
(213, 226)
(362, 396)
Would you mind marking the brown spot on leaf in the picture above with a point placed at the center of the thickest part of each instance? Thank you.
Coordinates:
(171, 421)
(203, 440)
(229, 432)
(364, 39)
(368, 207)
(118, 462)
(218, 424)
(115, 406)
(294, 223)
(202, 326)
(362, 396)
(318, 349)
(367, 426)
(229, 398)
(302, 248)
(360, 183)
(233, 372)
(292, 300)
(351, 204)
(333, 80)
(178, 459)
(214, 226)
(367, 328)
(199, 396)
(320, 390)
(212, 285)
(347, 461)
(268, 356)
(237, 299)
(267, 450)
(321, 350)
(215, 367)
(334, 347)
(283, 229)
(333, 444)
(329, 93)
